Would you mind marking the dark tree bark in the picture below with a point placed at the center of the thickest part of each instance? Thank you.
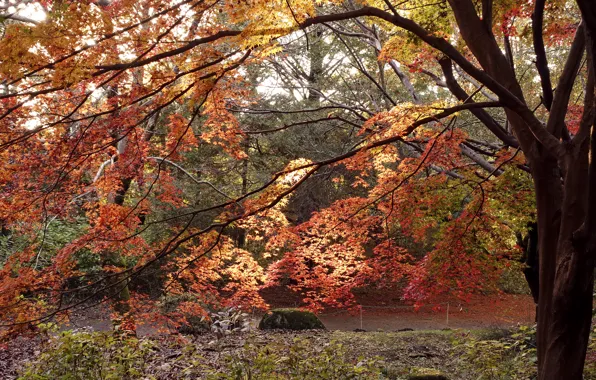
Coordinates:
(530, 258)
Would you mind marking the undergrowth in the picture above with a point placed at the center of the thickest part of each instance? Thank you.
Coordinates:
(455, 354)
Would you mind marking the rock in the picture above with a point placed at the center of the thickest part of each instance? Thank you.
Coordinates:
(290, 319)
(406, 329)
(359, 330)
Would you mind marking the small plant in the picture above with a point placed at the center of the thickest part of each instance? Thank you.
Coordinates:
(89, 356)
(228, 321)
(302, 360)
(502, 356)
(590, 366)
(187, 323)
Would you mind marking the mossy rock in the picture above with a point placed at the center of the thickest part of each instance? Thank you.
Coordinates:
(290, 319)
(426, 374)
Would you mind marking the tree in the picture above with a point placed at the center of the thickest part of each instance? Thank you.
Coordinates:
(90, 79)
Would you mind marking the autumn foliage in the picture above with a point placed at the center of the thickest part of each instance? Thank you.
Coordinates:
(104, 106)
(202, 150)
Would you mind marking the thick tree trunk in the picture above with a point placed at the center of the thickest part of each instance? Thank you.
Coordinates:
(566, 313)
(548, 202)
(566, 328)
(566, 267)
(565, 319)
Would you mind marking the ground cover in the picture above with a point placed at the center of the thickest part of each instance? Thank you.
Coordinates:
(455, 353)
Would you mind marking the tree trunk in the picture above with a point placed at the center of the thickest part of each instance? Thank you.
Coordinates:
(566, 267)
(565, 314)
(315, 55)
(529, 244)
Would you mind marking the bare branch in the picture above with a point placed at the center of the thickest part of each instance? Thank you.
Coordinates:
(194, 43)
(195, 180)
(482, 115)
(17, 17)
(556, 121)
(484, 164)
(541, 61)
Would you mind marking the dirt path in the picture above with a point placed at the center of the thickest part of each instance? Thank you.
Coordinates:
(480, 312)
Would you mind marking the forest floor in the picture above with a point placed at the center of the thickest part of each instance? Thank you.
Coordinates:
(399, 353)
(384, 318)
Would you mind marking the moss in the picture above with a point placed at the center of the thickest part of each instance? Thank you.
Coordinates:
(290, 319)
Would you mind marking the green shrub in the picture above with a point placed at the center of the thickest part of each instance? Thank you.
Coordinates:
(302, 360)
(590, 365)
(89, 356)
(513, 281)
(508, 356)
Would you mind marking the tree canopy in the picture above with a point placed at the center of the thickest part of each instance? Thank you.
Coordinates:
(204, 149)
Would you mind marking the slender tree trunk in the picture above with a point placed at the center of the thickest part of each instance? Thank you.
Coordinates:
(315, 55)
(123, 322)
(241, 238)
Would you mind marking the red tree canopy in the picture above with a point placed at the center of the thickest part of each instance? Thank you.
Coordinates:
(215, 147)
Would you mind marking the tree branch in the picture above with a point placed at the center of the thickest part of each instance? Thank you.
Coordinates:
(480, 114)
(589, 112)
(17, 17)
(198, 182)
(499, 78)
(556, 121)
(487, 14)
(194, 43)
(541, 61)
(479, 160)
